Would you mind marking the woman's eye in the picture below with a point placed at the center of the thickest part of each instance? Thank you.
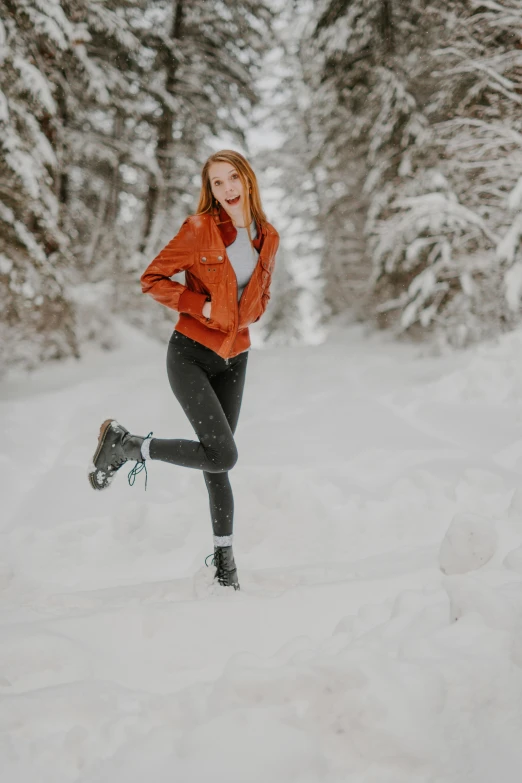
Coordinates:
(234, 176)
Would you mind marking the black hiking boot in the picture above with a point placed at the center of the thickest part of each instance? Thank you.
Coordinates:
(115, 447)
(226, 571)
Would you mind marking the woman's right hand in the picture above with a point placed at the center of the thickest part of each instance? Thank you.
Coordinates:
(207, 309)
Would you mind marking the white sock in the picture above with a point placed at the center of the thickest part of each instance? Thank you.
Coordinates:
(145, 448)
(223, 540)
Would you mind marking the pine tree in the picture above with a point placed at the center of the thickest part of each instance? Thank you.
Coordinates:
(360, 63)
(106, 111)
(446, 238)
(37, 320)
(103, 157)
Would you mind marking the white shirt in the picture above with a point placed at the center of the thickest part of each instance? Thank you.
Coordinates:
(243, 256)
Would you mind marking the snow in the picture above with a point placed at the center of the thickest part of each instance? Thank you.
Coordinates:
(470, 541)
(514, 200)
(377, 635)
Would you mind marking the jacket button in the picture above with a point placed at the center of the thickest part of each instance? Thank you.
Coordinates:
(204, 258)
(220, 258)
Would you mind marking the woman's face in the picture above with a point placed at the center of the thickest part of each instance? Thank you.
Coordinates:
(228, 189)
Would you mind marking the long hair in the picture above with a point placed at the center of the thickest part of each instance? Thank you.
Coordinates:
(252, 201)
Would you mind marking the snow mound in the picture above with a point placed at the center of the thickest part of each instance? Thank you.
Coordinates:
(513, 560)
(492, 373)
(470, 541)
(498, 608)
(293, 756)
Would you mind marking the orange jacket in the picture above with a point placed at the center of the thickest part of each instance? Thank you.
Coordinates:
(199, 249)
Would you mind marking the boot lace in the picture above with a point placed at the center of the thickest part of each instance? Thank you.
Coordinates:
(137, 469)
(217, 561)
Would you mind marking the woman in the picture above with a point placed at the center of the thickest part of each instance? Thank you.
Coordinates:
(227, 251)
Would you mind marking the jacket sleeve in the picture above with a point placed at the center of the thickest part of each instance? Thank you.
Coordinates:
(175, 257)
(265, 298)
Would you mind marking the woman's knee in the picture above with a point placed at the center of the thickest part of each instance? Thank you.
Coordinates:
(223, 459)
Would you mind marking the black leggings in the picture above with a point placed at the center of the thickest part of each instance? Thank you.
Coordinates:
(210, 391)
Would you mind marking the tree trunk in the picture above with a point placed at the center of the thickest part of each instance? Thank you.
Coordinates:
(387, 30)
(62, 185)
(164, 146)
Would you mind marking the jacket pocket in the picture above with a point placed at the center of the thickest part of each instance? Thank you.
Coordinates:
(211, 266)
(217, 318)
(211, 323)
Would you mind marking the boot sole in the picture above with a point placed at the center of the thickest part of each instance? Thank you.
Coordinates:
(101, 440)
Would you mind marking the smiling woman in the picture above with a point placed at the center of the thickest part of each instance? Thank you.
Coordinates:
(227, 251)
(226, 185)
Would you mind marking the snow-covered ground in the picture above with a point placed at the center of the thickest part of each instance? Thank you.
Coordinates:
(377, 636)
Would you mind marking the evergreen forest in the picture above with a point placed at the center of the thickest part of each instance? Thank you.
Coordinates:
(386, 135)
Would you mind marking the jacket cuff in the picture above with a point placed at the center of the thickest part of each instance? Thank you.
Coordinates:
(191, 302)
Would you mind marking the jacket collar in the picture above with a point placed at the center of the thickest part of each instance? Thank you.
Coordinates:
(229, 231)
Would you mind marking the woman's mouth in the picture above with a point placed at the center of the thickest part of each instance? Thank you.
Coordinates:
(232, 201)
